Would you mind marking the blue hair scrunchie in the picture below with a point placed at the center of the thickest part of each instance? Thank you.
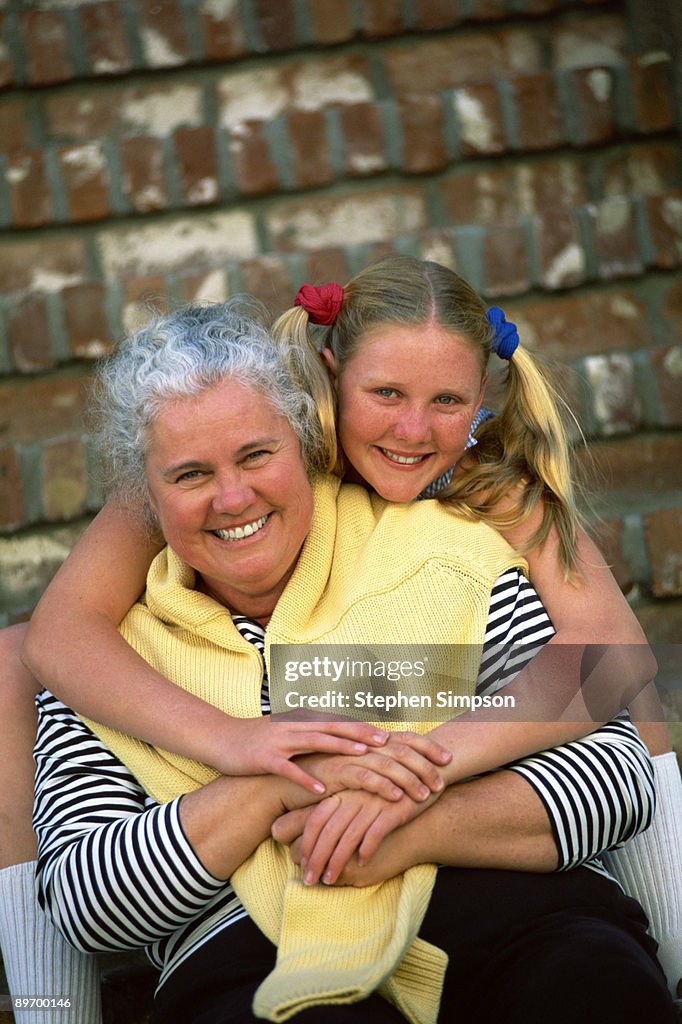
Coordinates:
(506, 337)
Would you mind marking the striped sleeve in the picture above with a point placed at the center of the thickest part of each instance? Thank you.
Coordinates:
(115, 870)
(598, 791)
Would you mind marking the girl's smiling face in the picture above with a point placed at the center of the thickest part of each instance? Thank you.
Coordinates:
(406, 398)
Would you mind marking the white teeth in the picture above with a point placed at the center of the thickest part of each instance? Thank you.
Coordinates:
(404, 460)
(239, 532)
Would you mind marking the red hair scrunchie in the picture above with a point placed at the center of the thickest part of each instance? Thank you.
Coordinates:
(321, 302)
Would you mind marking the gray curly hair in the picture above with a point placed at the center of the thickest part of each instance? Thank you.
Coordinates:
(190, 351)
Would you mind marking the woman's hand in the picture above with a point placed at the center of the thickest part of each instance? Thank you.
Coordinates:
(348, 825)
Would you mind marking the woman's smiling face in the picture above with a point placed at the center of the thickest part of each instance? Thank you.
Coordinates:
(406, 398)
(227, 482)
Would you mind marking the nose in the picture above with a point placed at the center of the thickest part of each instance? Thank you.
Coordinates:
(412, 425)
(232, 494)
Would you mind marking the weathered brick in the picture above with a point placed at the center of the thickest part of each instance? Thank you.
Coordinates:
(85, 177)
(321, 222)
(672, 310)
(488, 10)
(197, 163)
(269, 279)
(203, 286)
(29, 190)
(478, 113)
(437, 244)
(381, 17)
(362, 133)
(143, 299)
(47, 47)
(664, 219)
(578, 41)
(276, 23)
(646, 466)
(45, 265)
(162, 33)
(560, 255)
(86, 322)
(661, 621)
(309, 149)
(29, 334)
(221, 29)
(432, 15)
(105, 38)
(663, 531)
(568, 327)
(590, 110)
(430, 66)
(38, 408)
(64, 484)
(505, 265)
(612, 229)
(608, 536)
(537, 111)
(615, 403)
(331, 21)
(324, 265)
(254, 170)
(423, 144)
(645, 170)
(482, 197)
(159, 110)
(6, 69)
(667, 368)
(11, 489)
(14, 125)
(652, 93)
(83, 114)
(143, 174)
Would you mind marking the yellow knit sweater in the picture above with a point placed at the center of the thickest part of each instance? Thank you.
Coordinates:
(369, 572)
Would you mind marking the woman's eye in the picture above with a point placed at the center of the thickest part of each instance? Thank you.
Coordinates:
(261, 453)
(191, 474)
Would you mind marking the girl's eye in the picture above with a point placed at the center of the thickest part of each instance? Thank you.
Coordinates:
(447, 400)
(386, 392)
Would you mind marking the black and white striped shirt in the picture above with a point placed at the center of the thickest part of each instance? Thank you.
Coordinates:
(116, 870)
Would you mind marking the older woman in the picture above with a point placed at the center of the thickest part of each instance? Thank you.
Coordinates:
(206, 421)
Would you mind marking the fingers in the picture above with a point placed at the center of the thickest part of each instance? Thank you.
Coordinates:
(294, 773)
(288, 827)
(404, 767)
(331, 835)
(425, 745)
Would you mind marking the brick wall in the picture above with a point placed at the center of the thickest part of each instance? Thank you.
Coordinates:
(164, 150)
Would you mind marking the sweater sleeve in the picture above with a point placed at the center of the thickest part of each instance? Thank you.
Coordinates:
(115, 870)
(598, 791)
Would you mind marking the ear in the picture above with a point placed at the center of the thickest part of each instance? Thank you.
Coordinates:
(329, 360)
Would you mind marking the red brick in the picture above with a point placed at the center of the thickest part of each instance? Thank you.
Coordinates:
(672, 310)
(83, 114)
(144, 176)
(653, 95)
(55, 260)
(40, 407)
(504, 261)
(480, 198)
(608, 536)
(645, 169)
(84, 174)
(30, 199)
(14, 125)
(11, 489)
(488, 10)
(538, 114)
(552, 183)
(222, 34)
(578, 41)
(269, 279)
(612, 227)
(197, 163)
(255, 173)
(326, 265)
(571, 326)
(437, 244)
(664, 218)
(433, 65)
(560, 253)
(29, 334)
(104, 35)
(663, 531)
(423, 146)
(64, 482)
(363, 139)
(47, 47)
(661, 621)
(650, 464)
(331, 21)
(590, 112)
(276, 23)
(478, 113)
(381, 17)
(203, 285)
(86, 320)
(144, 297)
(667, 368)
(162, 33)
(309, 149)
(614, 399)
(431, 15)
(6, 70)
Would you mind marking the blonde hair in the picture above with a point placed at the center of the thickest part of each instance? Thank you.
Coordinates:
(523, 453)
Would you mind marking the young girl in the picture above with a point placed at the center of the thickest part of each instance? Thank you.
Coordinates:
(408, 343)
